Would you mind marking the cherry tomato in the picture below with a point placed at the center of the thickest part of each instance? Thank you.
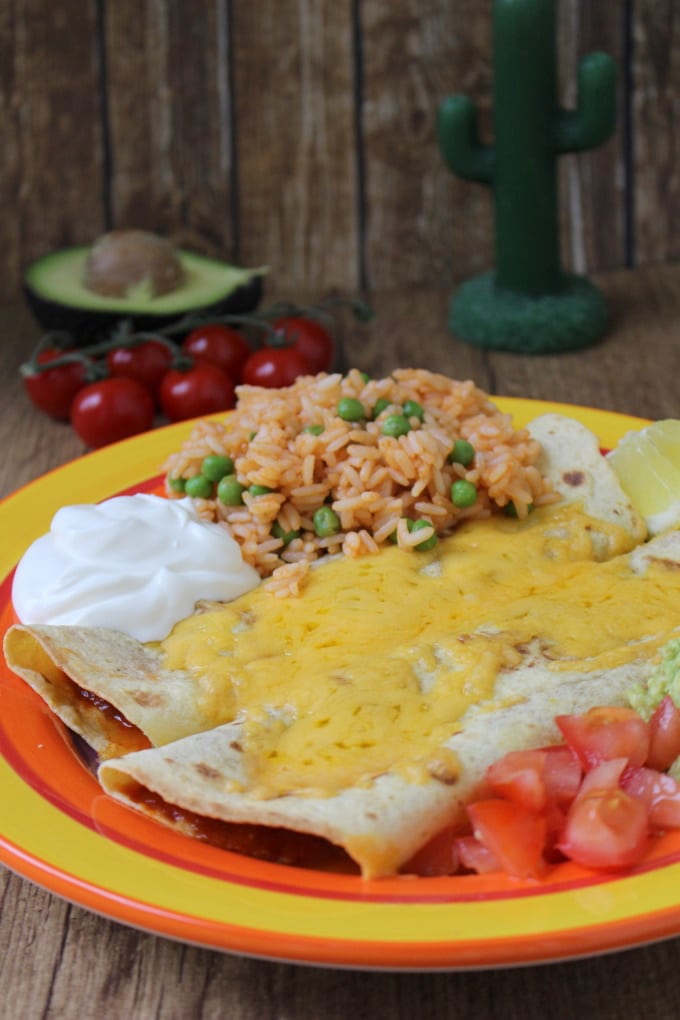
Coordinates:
(606, 732)
(53, 390)
(202, 389)
(515, 836)
(219, 345)
(275, 367)
(146, 363)
(111, 409)
(605, 826)
(664, 735)
(310, 339)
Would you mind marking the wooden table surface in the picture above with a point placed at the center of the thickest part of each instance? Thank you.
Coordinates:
(59, 961)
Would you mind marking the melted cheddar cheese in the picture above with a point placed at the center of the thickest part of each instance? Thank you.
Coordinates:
(374, 666)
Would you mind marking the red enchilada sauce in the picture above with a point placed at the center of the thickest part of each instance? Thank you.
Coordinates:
(281, 846)
(121, 734)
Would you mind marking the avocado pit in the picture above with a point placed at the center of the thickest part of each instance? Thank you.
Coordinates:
(122, 262)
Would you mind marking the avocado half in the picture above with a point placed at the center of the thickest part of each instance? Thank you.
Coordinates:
(59, 300)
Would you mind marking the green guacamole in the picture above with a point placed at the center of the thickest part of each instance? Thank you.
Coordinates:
(664, 680)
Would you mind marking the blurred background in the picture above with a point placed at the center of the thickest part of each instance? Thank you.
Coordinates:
(300, 134)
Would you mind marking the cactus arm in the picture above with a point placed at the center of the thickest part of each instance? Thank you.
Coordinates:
(594, 119)
(459, 141)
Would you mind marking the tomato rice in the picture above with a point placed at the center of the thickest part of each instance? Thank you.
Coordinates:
(377, 484)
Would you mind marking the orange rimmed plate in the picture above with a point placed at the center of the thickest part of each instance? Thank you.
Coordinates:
(59, 830)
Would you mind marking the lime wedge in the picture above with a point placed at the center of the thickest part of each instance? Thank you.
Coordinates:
(647, 464)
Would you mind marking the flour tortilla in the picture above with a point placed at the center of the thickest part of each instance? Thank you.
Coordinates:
(573, 463)
(382, 826)
(114, 692)
(151, 705)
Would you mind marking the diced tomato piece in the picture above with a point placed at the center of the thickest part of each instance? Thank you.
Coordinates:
(660, 794)
(518, 776)
(605, 827)
(562, 774)
(643, 784)
(606, 732)
(664, 735)
(605, 776)
(596, 799)
(515, 836)
(474, 856)
(437, 857)
(536, 778)
(555, 817)
(665, 812)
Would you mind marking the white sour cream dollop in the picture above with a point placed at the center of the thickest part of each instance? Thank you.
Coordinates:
(136, 564)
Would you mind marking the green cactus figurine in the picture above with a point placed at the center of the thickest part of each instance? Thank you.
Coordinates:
(528, 304)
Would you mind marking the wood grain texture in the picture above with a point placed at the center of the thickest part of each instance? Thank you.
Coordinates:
(593, 206)
(293, 81)
(424, 226)
(656, 131)
(51, 165)
(623, 371)
(59, 962)
(301, 134)
(170, 120)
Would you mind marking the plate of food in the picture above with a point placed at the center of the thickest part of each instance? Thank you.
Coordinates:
(368, 673)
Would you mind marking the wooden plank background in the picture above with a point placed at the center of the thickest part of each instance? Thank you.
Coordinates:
(300, 134)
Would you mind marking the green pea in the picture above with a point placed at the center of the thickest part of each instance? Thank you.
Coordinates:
(216, 467)
(463, 493)
(177, 484)
(199, 487)
(395, 425)
(462, 453)
(510, 509)
(420, 525)
(412, 409)
(230, 491)
(351, 409)
(380, 406)
(314, 430)
(285, 536)
(365, 376)
(259, 490)
(326, 522)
